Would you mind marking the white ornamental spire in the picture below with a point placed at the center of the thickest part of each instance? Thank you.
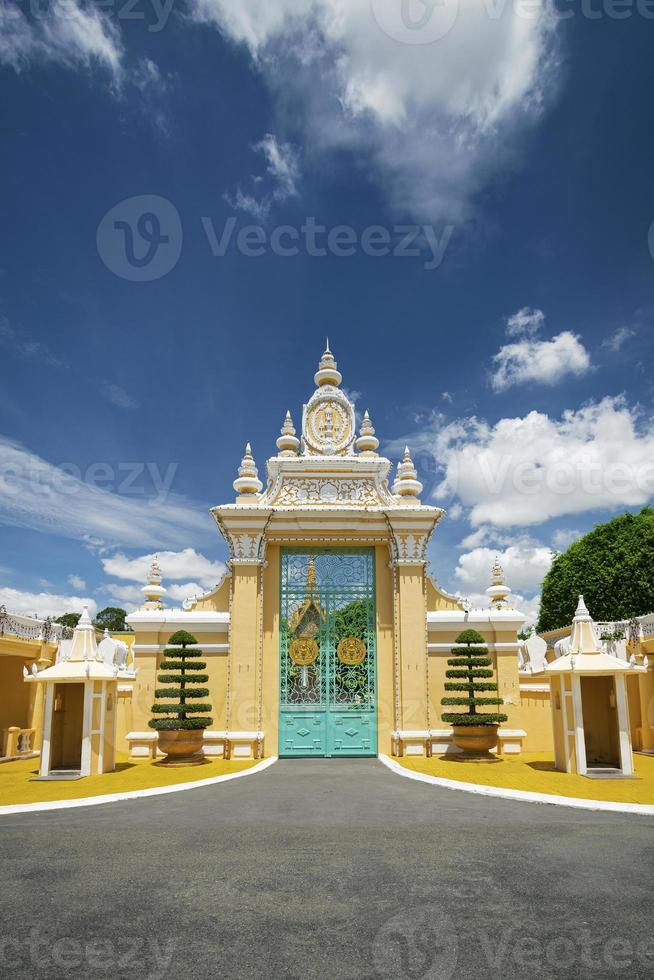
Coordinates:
(407, 485)
(248, 481)
(84, 645)
(327, 373)
(288, 443)
(498, 591)
(367, 442)
(153, 590)
(583, 638)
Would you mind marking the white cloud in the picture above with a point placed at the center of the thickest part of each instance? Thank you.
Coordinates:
(526, 470)
(43, 603)
(118, 396)
(283, 166)
(563, 538)
(175, 565)
(524, 566)
(64, 33)
(430, 120)
(525, 323)
(130, 596)
(539, 361)
(37, 495)
(282, 171)
(617, 340)
(21, 344)
(77, 582)
(529, 606)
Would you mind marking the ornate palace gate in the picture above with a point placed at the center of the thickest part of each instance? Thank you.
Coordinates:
(327, 653)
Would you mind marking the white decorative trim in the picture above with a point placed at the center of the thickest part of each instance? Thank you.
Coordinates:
(447, 732)
(642, 809)
(154, 620)
(535, 688)
(447, 619)
(188, 604)
(201, 648)
(446, 647)
(135, 794)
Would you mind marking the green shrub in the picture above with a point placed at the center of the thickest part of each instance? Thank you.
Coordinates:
(470, 667)
(181, 700)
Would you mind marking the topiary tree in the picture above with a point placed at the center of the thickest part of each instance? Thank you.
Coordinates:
(611, 567)
(178, 669)
(470, 673)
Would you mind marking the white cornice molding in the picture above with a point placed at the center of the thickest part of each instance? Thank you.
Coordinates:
(144, 620)
(445, 619)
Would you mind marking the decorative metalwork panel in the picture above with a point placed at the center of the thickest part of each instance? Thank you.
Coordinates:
(327, 652)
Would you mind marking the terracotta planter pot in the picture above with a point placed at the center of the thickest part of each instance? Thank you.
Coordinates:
(182, 747)
(475, 742)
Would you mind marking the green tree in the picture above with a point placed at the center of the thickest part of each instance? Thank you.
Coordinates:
(180, 669)
(112, 618)
(471, 673)
(611, 567)
(68, 619)
(352, 620)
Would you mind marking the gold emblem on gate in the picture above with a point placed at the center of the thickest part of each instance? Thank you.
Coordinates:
(303, 651)
(351, 651)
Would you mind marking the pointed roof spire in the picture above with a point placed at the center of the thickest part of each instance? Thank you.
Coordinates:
(584, 638)
(248, 481)
(327, 373)
(153, 590)
(498, 591)
(84, 645)
(367, 442)
(288, 443)
(497, 572)
(407, 485)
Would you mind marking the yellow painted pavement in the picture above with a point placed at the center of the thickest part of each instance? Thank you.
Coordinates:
(535, 773)
(130, 774)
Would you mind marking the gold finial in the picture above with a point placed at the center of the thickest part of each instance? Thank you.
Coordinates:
(311, 591)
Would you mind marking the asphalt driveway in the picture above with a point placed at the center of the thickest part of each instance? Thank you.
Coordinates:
(326, 868)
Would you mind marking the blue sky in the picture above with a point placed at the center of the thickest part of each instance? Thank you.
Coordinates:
(509, 150)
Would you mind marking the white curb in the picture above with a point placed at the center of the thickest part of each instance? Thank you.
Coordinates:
(134, 794)
(643, 809)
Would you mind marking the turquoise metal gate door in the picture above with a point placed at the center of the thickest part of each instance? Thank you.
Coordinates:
(327, 653)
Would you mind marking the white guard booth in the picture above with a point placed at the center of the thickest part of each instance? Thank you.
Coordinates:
(590, 710)
(79, 722)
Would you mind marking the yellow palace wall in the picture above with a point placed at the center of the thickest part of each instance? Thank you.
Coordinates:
(251, 593)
